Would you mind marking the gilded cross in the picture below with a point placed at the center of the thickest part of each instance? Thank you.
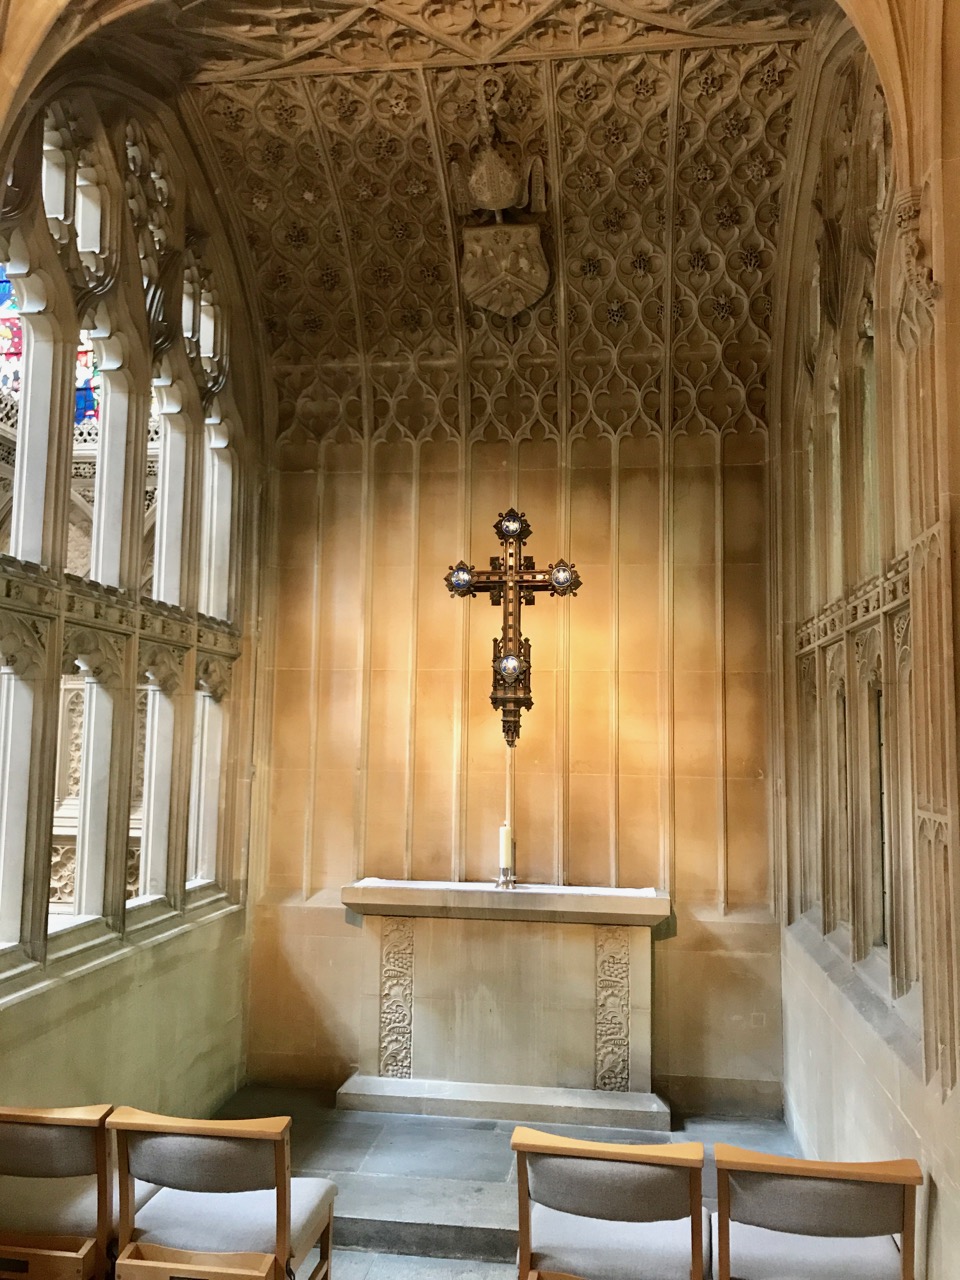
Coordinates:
(512, 580)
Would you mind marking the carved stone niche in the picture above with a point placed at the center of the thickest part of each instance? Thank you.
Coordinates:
(548, 989)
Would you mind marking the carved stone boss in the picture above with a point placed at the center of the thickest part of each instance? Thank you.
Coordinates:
(512, 580)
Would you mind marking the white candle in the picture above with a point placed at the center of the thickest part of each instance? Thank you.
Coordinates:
(506, 848)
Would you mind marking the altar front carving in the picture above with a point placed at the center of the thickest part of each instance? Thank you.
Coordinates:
(535, 1001)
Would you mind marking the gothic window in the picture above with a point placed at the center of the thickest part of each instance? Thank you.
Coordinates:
(11, 383)
(118, 478)
(21, 670)
(150, 492)
(853, 855)
(88, 394)
(169, 457)
(871, 504)
(838, 844)
(206, 786)
(218, 515)
(66, 814)
(809, 743)
(878, 851)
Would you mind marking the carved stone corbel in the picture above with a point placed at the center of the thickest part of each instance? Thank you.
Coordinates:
(23, 643)
(95, 653)
(214, 673)
(161, 667)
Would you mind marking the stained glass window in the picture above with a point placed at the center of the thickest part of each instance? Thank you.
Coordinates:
(11, 356)
(89, 388)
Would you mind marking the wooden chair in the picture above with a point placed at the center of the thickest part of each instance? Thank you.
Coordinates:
(812, 1220)
(55, 1193)
(227, 1208)
(610, 1210)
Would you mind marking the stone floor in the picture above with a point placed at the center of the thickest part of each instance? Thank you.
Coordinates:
(435, 1198)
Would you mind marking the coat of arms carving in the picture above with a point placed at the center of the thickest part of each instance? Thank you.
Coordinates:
(504, 267)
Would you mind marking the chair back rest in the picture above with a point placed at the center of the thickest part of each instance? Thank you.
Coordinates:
(189, 1162)
(816, 1206)
(47, 1150)
(614, 1190)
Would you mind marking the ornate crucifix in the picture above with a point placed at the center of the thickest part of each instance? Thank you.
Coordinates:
(512, 580)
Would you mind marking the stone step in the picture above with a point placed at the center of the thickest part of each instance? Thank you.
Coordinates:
(525, 1104)
(427, 1217)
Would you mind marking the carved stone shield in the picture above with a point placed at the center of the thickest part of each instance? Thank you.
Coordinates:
(504, 269)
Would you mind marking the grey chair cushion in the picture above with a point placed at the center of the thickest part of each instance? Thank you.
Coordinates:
(756, 1253)
(191, 1163)
(236, 1221)
(614, 1190)
(816, 1206)
(57, 1206)
(47, 1150)
(606, 1250)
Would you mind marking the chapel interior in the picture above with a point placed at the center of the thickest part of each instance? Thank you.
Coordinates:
(297, 299)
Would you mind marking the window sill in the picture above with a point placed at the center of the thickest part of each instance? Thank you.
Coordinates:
(91, 945)
(892, 1020)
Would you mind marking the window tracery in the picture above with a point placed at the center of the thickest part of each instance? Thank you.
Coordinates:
(875, 814)
(135, 375)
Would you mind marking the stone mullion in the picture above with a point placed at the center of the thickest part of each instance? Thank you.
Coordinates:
(194, 504)
(41, 796)
(183, 698)
(934, 714)
(850, 409)
(826, 710)
(786, 516)
(120, 779)
(222, 723)
(16, 706)
(895, 853)
(666, 657)
(863, 815)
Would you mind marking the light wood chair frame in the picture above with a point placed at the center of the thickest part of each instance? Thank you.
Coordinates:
(684, 1155)
(730, 1159)
(64, 1257)
(155, 1262)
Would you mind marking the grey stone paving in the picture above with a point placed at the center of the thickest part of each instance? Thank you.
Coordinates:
(356, 1264)
(434, 1197)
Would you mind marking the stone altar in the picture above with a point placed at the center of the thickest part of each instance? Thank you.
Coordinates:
(528, 1003)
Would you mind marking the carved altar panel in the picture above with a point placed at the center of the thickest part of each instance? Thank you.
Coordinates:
(396, 998)
(499, 999)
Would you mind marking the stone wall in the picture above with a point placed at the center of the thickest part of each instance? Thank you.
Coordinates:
(850, 1096)
(158, 1025)
(643, 761)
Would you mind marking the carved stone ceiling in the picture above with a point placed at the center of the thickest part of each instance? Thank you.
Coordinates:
(336, 130)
